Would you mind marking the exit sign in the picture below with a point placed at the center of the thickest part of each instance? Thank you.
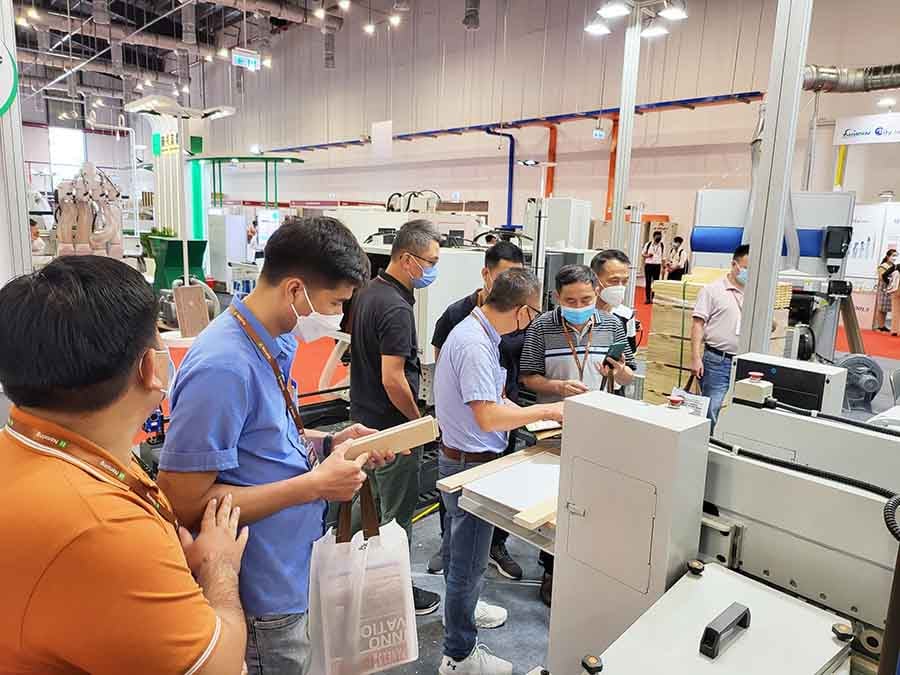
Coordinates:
(245, 58)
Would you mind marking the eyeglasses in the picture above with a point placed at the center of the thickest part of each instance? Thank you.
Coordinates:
(430, 262)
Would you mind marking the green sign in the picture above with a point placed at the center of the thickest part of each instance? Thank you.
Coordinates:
(9, 79)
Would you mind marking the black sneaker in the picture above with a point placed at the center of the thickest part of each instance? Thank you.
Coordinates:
(503, 561)
(436, 563)
(547, 588)
(425, 601)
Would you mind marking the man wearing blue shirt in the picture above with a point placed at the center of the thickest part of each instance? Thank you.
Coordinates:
(475, 417)
(236, 430)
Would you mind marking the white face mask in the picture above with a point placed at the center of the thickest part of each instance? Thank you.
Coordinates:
(613, 295)
(311, 328)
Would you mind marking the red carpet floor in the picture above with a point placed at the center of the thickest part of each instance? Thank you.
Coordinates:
(877, 344)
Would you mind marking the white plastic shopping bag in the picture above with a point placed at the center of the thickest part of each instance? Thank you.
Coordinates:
(696, 403)
(361, 612)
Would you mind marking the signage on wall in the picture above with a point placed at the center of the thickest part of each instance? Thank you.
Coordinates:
(248, 59)
(9, 79)
(865, 129)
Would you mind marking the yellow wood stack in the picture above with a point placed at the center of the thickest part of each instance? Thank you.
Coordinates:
(668, 350)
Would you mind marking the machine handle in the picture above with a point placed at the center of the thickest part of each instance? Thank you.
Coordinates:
(737, 615)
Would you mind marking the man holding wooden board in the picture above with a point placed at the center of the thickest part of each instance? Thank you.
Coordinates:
(475, 419)
(236, 430)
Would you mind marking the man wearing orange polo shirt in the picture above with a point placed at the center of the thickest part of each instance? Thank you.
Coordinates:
(95, 576)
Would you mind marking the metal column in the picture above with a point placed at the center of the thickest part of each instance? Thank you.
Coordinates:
(620, 230)
(782, 108)
(15, 239)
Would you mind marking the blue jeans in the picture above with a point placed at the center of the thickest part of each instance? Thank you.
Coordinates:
(714, 385)
(278, 645)
(466, 547)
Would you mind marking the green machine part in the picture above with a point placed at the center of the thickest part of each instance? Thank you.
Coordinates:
(169, 262)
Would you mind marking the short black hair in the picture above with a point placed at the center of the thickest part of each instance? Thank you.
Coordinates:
(414, 237)
(74, 332)
(605, 256)
(741, 251)
(321, 251)
(503, 250)
(574, 274)
(512, 289)
(678, 239)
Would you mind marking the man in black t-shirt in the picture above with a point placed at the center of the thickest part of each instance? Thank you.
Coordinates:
(384, 370)
(499, 258)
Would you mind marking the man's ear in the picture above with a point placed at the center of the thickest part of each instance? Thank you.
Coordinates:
(148, 371)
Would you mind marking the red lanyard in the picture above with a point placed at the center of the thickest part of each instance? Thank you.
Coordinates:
(581, 365)
(312, 456)
(58, 443)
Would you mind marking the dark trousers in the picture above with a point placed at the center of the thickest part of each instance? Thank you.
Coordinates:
(676, 275)
(651, 274)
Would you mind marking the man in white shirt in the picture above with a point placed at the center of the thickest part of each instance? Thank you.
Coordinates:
(653, 254)
(676, 263)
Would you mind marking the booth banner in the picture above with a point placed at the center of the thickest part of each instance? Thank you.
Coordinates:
(9, 79)
(865, 129)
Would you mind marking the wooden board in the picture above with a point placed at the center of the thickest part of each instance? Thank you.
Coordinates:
(655, 397)
(671, 318)
(190, 308)
(670, 349)
(455, 483)
(661, 377)
(539, 514)
(401, 438)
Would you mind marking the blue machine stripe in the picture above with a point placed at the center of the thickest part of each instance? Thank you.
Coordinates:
(707, 239)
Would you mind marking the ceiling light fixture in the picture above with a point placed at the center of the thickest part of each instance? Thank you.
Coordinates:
(186, 89)
(675, 10)
(319, 13)
(148, 82)
(23, 22)
(654, 28)
(886, 102)
(33, 13)
(369, 28)
(614, 9)
(222, 53)
(208, 58)
(234, 160)
(254, 149)
(344, 5)
(597, 27)
(394, 19)
(139, 86)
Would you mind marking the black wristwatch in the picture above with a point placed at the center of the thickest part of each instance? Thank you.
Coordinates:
(327, 445)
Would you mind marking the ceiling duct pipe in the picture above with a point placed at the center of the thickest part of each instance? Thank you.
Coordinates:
(101, 12)
(851, 80)
(189, 23)
(285, 12)
(472, 19)
(65, 64)
(38, 82)
(118, 32)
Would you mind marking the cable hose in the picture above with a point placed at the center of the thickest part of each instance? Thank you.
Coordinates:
(890, 508)
(835, 418)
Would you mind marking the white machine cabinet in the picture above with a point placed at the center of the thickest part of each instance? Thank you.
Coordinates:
(785, 636)
(632, 479)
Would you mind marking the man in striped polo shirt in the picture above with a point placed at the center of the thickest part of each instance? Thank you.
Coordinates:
(565, 354)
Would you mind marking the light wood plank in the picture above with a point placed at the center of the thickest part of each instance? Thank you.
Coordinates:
(456, 482)
(401, 438)
(537, 515)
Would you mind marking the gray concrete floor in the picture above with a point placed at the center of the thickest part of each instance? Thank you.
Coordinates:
(523, 640)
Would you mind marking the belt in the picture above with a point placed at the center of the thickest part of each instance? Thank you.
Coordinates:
(719, 352)
(470, 457)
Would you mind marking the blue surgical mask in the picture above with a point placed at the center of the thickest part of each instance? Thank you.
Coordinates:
(429, 275)
(742, 276)
(578, 315)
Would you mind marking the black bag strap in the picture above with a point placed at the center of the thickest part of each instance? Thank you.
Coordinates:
(369, 516)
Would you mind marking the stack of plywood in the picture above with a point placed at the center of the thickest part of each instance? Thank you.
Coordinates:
(668, 351)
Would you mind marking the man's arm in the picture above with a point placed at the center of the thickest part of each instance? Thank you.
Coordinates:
(393, 377)
(491, 416)
(541, 384)
(335, 479)
(698, 329)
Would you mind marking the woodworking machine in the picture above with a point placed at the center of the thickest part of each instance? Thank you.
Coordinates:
(807, 555)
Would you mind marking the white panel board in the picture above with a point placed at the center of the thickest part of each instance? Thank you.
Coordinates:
(865, 250)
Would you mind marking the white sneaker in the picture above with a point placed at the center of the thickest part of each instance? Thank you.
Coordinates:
(479, 662)
(487, 616)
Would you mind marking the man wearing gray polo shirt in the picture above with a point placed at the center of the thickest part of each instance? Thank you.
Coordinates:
(475, 417)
